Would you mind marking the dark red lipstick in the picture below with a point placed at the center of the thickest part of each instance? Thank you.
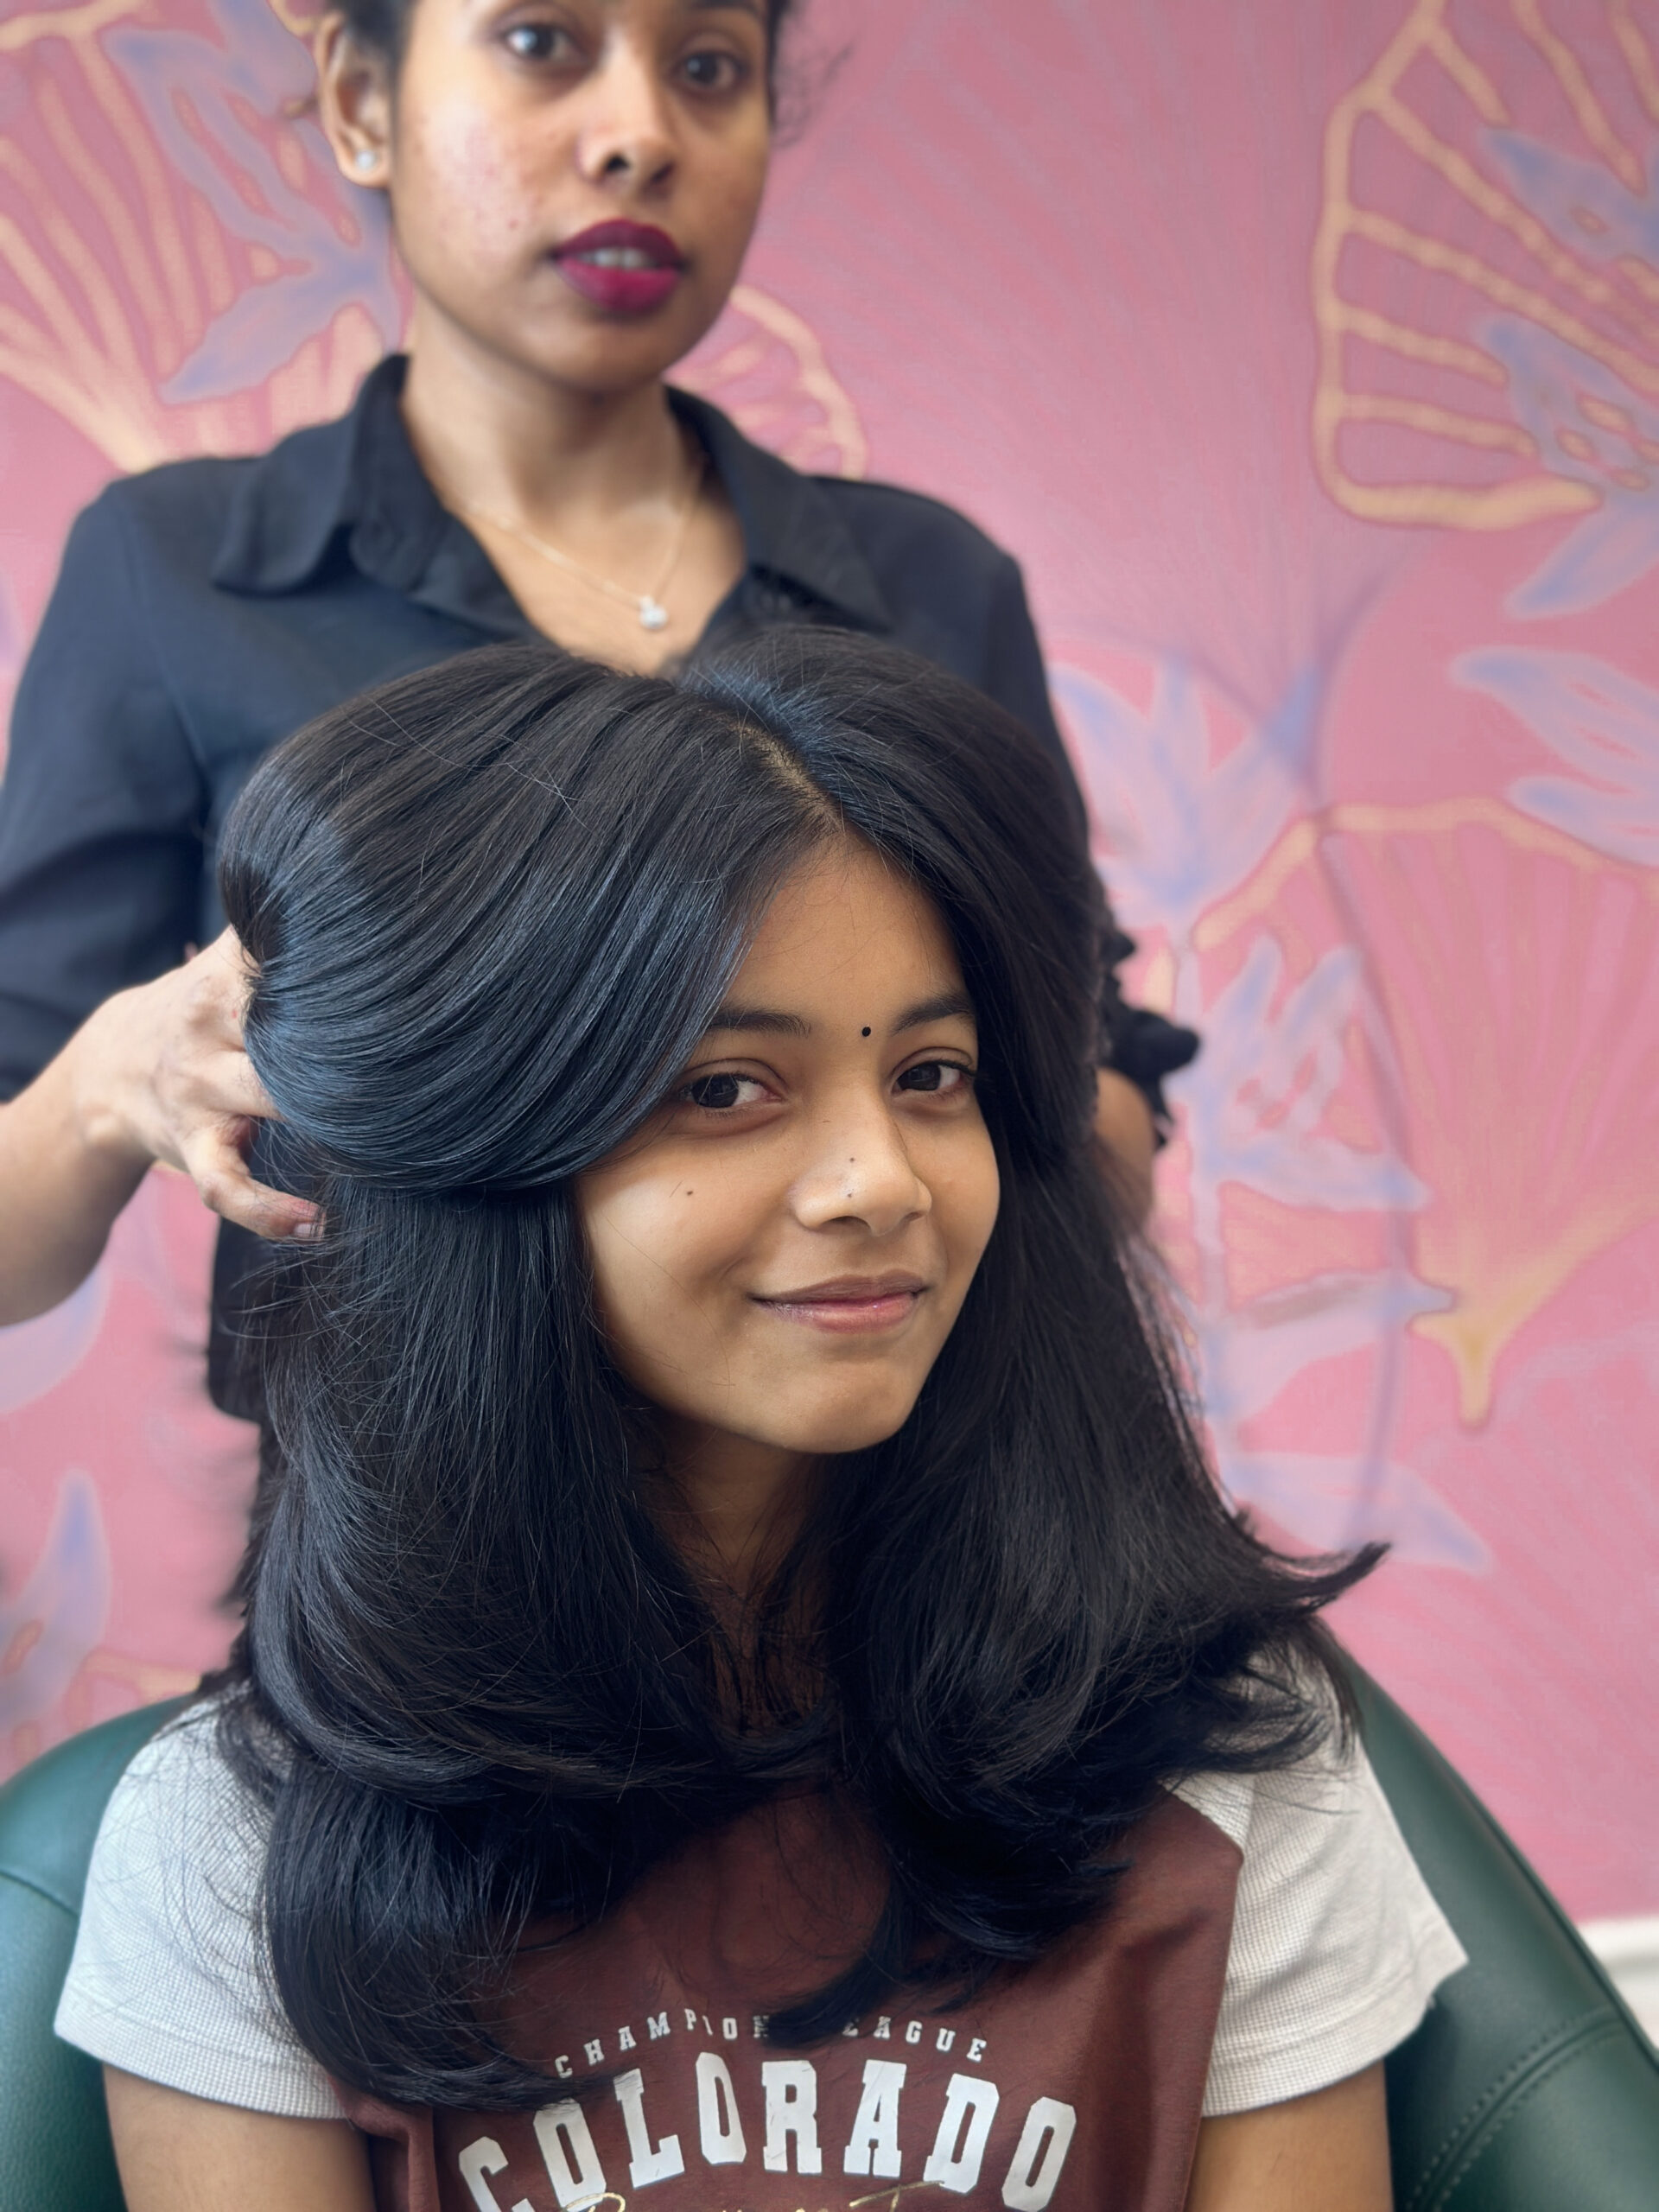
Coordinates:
(624, 268)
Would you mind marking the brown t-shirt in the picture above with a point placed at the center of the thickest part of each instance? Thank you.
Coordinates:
(1077, 2083)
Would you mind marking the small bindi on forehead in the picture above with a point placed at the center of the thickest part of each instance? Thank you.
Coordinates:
(944, 1006)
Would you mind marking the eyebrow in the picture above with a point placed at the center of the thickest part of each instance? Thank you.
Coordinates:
(946, 1006)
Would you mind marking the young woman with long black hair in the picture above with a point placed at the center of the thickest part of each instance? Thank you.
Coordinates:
(573, 185)
(749, 1695)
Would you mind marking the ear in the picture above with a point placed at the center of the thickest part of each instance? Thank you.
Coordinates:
(354, 102)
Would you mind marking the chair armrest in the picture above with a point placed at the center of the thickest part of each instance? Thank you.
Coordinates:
(55, 2154)
(1530, 2086)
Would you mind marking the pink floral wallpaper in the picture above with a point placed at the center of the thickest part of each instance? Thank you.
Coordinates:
(1309, 359)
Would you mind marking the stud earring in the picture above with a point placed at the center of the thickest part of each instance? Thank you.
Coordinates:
(365, 157)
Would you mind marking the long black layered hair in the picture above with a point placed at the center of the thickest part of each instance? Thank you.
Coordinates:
(493, 908)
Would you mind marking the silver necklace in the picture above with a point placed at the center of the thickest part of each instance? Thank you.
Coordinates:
(647, 605)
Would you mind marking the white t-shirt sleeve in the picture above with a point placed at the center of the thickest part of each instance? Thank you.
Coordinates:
(1338, 1944)
(167, 1980)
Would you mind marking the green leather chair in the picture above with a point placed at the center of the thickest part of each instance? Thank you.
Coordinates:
(1528, 2088)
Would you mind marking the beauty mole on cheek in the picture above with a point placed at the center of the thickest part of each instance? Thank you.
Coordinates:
(864, 1033)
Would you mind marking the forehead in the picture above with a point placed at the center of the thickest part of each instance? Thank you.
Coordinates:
(846, 920)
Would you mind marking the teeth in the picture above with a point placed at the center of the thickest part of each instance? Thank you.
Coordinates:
(618, 256)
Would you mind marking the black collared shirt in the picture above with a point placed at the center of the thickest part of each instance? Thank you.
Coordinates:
(209, 608)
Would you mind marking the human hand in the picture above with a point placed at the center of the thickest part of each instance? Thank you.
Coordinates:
(160, 1074)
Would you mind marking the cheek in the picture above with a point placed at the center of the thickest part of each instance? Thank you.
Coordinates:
(660, 1250)
(966, 1191)
(464, 188)
(731, 186)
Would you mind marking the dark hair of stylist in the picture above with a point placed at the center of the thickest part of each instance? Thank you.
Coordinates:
(573, 184)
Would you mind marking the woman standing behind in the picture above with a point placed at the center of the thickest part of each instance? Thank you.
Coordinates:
(572, 186)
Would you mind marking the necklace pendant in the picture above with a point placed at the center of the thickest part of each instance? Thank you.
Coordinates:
(653, 615)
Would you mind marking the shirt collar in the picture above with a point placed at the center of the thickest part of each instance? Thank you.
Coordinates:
(355, 485)
(791, 526)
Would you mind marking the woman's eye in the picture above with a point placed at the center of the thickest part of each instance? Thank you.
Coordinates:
(720, 1094)
(713, 72)
(937, 1077)
(539, 42)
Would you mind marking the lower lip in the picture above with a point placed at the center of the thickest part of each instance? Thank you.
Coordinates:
(849, 1317)
(619, 291)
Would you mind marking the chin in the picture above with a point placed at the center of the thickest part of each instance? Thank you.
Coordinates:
(579, 348)
(853, 1428)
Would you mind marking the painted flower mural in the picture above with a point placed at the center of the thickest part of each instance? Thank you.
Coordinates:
(1310, 359)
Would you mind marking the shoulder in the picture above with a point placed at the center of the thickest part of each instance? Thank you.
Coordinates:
(182, 502)
(889, 519)
(871, 504)
(127, 610)
(145, 549)
(1338, 1944)
(179, 1810)
(190, 509)
(952, 594)
(169, 1978)
(178, 1858)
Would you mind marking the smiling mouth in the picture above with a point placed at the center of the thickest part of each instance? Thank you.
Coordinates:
(851, 1306)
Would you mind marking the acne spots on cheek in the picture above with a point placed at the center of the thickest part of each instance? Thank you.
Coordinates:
(478, 172)
(471, 195)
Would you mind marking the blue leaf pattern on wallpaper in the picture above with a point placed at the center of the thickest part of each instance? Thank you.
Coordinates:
(57, 1617)
(1255, 1103)
(1181, 833)
(1561, 187)
(1312, 1497)
(1251, 1351)
(222, 81)
(1595, 719)
(1549, 377)
(35, 1355)
(1259, 1092)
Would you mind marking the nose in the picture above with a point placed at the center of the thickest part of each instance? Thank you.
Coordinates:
(860, 1172)
(627, 136)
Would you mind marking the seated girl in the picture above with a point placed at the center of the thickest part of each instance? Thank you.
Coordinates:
(749, 1695)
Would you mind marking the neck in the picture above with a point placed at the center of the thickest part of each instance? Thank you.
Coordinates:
(740, 1503)
(505, 440)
